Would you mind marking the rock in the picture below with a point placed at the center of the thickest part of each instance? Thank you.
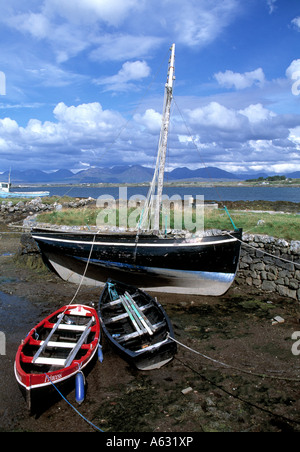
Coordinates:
(268, 286)
(277, 320)
(286, 292)
(295, 247)
(28, 245)
(186, 391)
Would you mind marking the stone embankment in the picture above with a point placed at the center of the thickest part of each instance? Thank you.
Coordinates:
(13, 212)
(278, 271)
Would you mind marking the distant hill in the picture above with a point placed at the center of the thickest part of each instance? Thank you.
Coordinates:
(295, 175)
(125, 174)
(210, 172)
(37, 176)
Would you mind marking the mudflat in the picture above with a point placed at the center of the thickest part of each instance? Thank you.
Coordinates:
(244, 376)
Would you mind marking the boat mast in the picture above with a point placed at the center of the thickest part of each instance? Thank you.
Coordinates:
(9, 179)
(163, 141)
(158, 177)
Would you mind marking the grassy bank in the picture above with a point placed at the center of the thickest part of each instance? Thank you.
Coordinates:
(284, 226)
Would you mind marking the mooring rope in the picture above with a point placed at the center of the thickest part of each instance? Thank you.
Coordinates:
(85, 270)
(76, 411)
(233, 367)
(262, 251)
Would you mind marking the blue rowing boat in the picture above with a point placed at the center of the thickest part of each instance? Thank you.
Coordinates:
(6, 193)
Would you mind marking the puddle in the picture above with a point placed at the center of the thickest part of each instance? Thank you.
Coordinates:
(17, 317)
(6, 255)
(6, 280)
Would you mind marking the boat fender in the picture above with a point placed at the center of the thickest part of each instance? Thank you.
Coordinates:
(100, 353)
(79, 388)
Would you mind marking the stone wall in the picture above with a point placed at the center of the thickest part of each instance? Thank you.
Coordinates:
(10, 212)
(271, 274)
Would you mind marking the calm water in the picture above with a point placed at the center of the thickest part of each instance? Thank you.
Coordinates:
(210, 194)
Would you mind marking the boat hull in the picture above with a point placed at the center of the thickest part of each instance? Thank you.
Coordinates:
(144, 351)
(205, 266)
(30, 195)
(36, 377)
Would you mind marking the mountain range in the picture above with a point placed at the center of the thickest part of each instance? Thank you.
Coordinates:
(126, 174)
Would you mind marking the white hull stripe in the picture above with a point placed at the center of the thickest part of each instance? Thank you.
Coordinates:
(133, 245)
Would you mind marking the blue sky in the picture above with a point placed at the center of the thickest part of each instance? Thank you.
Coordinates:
(82, 83)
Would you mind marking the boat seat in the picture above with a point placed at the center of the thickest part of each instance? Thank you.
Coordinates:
(60, 344)
(127, 337)
(125, 315)
(115, 302)
(51, 361)
(85, 329)
(72, 327)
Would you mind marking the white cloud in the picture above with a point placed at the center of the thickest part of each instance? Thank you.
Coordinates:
(231, 138)
(86, 119)
(122, 46)
(239, 81)
(131, 71)
(113, 12)
(34, 23)
(271, 5)
(198, 23)
(60, 143)
(120, 29)
(293, 68)
(257, 113)
(216, 116)
(296, 23)
(151, 120)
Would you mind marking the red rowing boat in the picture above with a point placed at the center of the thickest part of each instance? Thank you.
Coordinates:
(57, 349)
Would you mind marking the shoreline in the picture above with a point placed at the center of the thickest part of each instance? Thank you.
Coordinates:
(207, 183)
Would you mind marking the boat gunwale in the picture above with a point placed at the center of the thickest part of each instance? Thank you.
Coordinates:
(32, 381)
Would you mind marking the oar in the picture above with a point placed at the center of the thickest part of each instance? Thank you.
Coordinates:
(138, 329)
(143, 319)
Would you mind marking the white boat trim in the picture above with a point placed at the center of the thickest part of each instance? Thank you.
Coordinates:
(140, 245)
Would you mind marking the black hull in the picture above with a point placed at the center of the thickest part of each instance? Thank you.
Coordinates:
(204, 266)
(145, 352)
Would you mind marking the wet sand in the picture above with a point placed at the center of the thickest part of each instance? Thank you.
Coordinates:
(259, 393)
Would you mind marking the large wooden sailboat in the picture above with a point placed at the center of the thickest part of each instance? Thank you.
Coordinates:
(148, 258)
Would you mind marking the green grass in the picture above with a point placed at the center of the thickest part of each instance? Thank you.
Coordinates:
(284, 226)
